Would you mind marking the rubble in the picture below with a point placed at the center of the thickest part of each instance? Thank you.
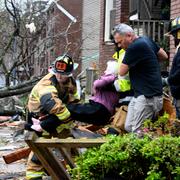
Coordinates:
(8, 143)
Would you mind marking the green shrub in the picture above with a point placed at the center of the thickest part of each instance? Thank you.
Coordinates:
(130, 157)
(162, 124)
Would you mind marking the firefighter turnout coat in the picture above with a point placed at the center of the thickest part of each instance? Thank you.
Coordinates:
(49, 97)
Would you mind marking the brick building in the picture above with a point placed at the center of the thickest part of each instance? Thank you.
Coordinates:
(151, 21)
(97, 18)
(83, 36)
(175, 11)
(60, 35)
(112, 12)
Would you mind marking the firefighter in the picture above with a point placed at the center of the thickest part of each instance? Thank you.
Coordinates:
(101, 105)
(47, 106)
(174, 76)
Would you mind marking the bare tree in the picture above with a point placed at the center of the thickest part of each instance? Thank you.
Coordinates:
(21, 49)
(17, 45)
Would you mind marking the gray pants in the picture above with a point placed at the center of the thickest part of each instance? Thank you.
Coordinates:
(140, 109)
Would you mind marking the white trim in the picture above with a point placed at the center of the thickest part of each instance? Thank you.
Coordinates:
(108, 8)
(64, 11)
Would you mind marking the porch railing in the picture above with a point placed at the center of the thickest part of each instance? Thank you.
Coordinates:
(151, 28)
(154, 29)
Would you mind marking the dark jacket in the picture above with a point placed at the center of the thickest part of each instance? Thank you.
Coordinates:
(174, 76)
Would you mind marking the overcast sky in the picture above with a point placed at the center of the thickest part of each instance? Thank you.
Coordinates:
(19, 2)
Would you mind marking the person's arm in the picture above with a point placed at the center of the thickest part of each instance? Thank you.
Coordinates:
(174, 77)
(124, 68)
(51, 103)
(103, 81)
(162, 55)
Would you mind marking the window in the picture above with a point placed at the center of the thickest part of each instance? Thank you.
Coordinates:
(110, 14)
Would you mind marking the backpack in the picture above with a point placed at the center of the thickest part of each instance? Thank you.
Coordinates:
(120, 117)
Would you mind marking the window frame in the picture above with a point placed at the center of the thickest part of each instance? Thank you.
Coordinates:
(109, 9)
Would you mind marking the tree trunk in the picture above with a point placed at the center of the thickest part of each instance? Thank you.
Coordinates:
(7, 80)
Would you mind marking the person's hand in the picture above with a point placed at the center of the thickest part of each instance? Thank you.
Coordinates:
(116, 85)
(30, 127)
(164, 81)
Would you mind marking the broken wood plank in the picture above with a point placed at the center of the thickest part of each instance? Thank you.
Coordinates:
(49, 162)
(67, 157)
(76, 143)
(43, 150)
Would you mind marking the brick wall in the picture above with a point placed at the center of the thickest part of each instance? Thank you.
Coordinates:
(175, 11)
(106, 51)
(53, 38)
(122, 11)
(59, 23)
(74, 7)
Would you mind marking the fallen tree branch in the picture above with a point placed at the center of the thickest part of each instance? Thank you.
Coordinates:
(19, 86)
(19, 89)
(7, 93)
(10, 113)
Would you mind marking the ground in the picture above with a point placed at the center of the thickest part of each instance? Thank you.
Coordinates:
(11, 139)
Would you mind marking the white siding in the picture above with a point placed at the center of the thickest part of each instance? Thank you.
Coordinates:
(90, 32)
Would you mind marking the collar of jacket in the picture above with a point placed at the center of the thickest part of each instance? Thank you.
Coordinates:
(62, 92)
(55, 83)
(54, 80)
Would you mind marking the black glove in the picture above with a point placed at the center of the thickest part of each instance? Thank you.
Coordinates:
(50, 123)
(27, 126)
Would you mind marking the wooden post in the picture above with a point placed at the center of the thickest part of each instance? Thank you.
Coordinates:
(67, 157)
(49, 162)
(43, 150)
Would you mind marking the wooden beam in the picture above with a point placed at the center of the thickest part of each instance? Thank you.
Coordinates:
(42, 148)
(77, 143)
(53, 165)
(48, 160)
(67, 157)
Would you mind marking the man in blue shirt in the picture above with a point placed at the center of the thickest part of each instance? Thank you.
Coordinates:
(141, 61)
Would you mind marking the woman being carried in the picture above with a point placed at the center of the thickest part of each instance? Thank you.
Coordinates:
(102, 104)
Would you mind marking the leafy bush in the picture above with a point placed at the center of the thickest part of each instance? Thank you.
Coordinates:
(129, 157)
(163, 125)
